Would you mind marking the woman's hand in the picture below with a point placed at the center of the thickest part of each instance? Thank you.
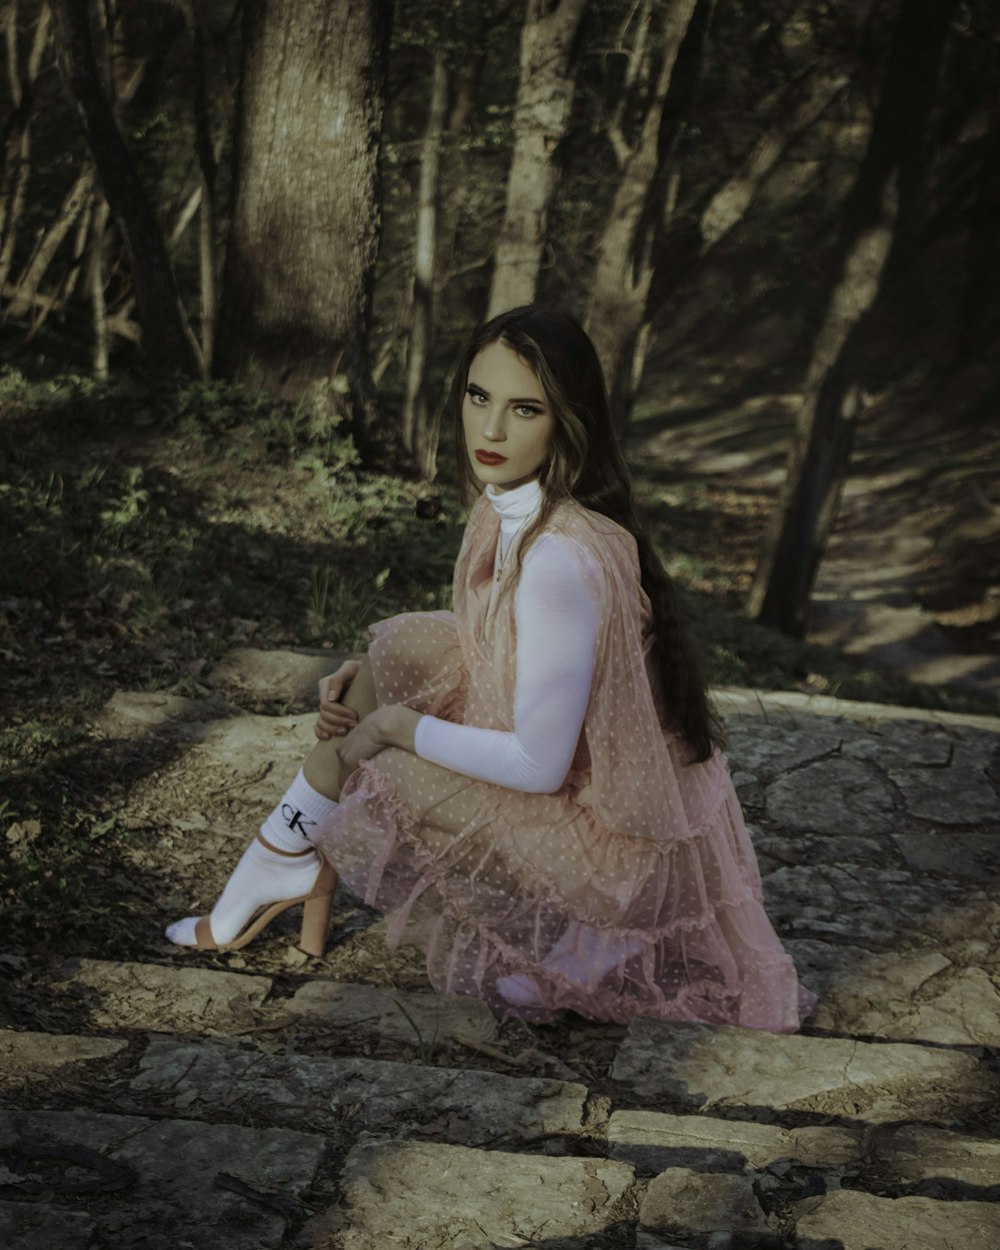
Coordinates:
(390, 726)
(335, 719)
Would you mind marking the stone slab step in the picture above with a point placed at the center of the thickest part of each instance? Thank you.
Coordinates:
(849, 1220)
(205, 1002)
(28, 1056)
(683, 1202)
(917, 1154)
(357, 1095)
(652, 1141)
(398, 1194)
(169, 1172)
(700, 1066)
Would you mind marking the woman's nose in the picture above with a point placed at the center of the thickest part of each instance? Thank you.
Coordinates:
(494, 429)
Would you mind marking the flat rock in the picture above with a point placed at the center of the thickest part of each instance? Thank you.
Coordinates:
(165, 1000)
(372, 1096)
(851, 1220)
(417, 1196)
(31, 1226)
(128, 711)
(235, 750)
(913, 996)
(174, 1198)
(702, 1066)
(852, 903)
(416, 1019)
(683, 1201)
(969, 856)
(905, 744)
(286, 676)
(796, 710)
(960, 794)
(27, 1055)
(653, 1141)
(913, 1153)
(833, 796)
(786, 744)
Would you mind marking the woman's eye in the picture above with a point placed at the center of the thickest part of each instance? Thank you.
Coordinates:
(477, 397)
(526, 410)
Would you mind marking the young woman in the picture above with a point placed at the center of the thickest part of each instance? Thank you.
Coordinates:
(532, 787)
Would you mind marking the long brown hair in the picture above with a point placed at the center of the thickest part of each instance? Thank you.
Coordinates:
(586, 464)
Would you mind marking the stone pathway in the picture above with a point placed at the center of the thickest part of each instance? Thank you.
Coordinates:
(260, 1101)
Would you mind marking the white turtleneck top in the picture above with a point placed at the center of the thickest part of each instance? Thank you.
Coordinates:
(556, 619)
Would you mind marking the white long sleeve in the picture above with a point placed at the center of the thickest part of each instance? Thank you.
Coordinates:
(556, 618)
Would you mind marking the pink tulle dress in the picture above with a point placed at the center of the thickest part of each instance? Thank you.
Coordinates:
(631, 891)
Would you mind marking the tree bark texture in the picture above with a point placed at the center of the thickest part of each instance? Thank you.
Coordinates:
(541, 115)
(626, 251)
(305, 222)
(821, 449)
(17, 130)
(165, 344)
(729, 204)
(421, 425)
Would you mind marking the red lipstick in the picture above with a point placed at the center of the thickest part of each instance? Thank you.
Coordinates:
(490, 457)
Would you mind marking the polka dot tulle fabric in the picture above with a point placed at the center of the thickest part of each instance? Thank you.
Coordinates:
(631, 891)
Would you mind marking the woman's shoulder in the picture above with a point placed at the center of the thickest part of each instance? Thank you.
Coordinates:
(600, 534)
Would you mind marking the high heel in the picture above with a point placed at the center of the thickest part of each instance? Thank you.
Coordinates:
(317, 905)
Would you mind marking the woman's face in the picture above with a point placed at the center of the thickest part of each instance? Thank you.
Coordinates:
(508, 424)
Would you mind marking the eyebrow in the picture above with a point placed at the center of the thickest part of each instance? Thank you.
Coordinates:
(483, 391)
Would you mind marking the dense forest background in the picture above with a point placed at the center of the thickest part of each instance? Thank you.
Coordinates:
(253, 236)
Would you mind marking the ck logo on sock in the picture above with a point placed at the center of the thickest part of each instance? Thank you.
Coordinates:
(296, 820)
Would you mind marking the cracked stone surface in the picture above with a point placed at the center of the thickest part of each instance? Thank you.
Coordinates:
(878, 831)
(32, 1226)
(851, 1220)
(655, 1141)
(833, 796)
(469, 1199)
(371, 1096)
(174, 1197)
(148, 996)
(683, 1201)
(913, 997)
(930, 793)
(417, 1019)
(28, 1055)
(851, 903)
(971, 856)
(911, 1153)
(702, 1067)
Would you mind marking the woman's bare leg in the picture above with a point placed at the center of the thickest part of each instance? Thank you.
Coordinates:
(322, 768)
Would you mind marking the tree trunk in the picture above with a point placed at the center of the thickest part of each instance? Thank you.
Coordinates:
(421, 425)
(296, 298)
(24, 291)
(17, 132)
(95, 285)
(208, 163)
(979, 326)
(165, 344)
(729, 204)
(821, 449)
(626, 252)
(541, 114)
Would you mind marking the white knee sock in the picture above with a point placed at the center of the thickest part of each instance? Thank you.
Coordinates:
(299, 819)
(264, 876)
